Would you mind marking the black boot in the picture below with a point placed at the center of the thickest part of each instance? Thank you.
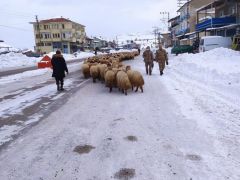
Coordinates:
(58, 87)
(161, 73)
(62, 89)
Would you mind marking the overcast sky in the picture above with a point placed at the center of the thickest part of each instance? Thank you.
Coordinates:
(106, 18)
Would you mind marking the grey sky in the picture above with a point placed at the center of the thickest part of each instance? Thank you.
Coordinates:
(106, 18)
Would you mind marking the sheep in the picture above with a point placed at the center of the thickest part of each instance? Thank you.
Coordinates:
(102, 68)
(86, 70)
(110, 78)
(94, 72)
(123, 81)
(135, 78)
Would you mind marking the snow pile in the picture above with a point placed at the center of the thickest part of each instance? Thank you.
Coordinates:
(16, 60)
(210, 79)
(78, 55)
(221, 60)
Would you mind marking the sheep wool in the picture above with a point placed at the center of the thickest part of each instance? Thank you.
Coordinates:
(110, 79)
(86, 70)
(94, 72)
(135, 78)
(123, 82)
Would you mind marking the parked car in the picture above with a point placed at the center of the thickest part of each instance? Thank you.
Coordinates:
(32, 54)
(179, 49)
(211, 42)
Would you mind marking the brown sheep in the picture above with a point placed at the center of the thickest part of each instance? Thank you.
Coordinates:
(135, 78)
(94, 72)
(110, 78)
(86, 70)
(123, 81)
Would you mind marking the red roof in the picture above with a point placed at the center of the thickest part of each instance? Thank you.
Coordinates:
(55, 20)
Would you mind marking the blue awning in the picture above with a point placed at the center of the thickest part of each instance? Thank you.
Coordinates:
(215, 22)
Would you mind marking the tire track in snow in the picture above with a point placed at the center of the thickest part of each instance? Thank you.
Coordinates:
(20, 111)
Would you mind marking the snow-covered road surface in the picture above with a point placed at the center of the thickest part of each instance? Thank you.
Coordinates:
(179, 128)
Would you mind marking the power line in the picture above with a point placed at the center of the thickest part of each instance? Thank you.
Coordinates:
(12, 27)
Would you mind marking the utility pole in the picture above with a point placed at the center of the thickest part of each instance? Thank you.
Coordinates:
(155, 31)
(164, 19)
(39, 35)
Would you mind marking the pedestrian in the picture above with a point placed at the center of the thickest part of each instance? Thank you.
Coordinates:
(148, 59)
(59, 67)
(139, 51)
(96, 49)
(161, 58)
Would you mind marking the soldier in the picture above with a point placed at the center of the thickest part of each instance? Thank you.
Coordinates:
(161, 58)
(148, 59)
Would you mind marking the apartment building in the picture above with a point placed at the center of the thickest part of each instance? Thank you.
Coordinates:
(224, 22)
(58, 33)
(188, 19)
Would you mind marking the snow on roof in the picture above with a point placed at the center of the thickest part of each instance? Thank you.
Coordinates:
(190, 33)
(4, 45)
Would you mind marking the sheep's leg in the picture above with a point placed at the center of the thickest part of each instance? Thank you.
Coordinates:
(94, 80)
(136, 89)
(123, 91)
(132, 88)
(110, 89)
(141, 88)
(126, 92)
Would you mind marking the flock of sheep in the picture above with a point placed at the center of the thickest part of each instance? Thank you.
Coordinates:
(110, 69)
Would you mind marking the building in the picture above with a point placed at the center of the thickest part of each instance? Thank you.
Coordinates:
(224, 22)
(174, 27)
(58, 33)
(186, 31)
(98, 43)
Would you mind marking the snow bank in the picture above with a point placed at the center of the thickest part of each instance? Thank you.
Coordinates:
(69, 57)
(221, 60)
(16, 60)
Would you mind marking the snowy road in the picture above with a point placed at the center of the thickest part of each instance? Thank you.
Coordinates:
(179, 128)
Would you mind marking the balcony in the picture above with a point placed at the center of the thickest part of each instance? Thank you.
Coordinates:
(215, 22)
(182, 32)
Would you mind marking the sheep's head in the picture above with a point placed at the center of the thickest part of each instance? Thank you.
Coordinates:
(128, 68)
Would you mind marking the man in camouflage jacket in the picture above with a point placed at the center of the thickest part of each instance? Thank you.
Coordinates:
(161, 58)
(148, 59)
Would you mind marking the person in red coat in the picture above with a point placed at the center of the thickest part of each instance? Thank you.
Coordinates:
(59, 67)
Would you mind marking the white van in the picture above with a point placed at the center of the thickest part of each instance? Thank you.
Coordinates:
(210, 42)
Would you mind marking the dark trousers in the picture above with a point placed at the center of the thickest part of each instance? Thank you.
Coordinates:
(148, 66)
(59, 80)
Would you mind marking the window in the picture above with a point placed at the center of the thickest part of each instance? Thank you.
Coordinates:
(63, 26)
(221, 13)
(232, 10)
(63, 35)
(48, 44)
